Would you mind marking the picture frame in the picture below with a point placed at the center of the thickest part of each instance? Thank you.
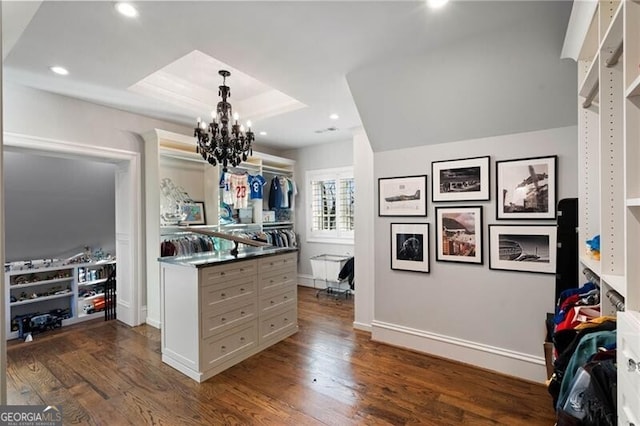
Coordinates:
(523, 248)
(410, 247)
(459, 234)
(465, 179)
(195, 214)
(526, 188)
(402, 196)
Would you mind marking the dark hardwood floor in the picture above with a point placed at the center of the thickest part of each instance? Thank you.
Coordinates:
(109, 374)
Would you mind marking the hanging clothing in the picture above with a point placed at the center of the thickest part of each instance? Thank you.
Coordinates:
(256, 182)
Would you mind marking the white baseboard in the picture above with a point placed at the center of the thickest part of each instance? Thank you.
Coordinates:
(362, 326)
(151, 321)
(517, 364)
(305, 280)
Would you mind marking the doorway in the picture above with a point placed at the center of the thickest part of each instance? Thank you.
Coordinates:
(128, 224)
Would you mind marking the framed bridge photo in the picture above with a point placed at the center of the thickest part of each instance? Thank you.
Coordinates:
(402, 196)
(465, 179)
(523, 248)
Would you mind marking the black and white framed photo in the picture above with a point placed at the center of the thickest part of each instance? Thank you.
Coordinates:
(402, 196)
(526, 188)
(410, 247)
(459, 234)
(460, 180)
(527, 248)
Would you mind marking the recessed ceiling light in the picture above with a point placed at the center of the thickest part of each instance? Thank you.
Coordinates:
(263, 133)
(436, 4)
(127, 10)
(334, 116)
(59, 70)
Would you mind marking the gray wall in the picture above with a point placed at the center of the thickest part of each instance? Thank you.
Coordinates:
(339, 154)
(56, 206)
(498, 308)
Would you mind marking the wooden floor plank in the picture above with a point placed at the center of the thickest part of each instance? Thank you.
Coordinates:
(326, 374)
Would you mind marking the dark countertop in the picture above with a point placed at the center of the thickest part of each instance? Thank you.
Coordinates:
(202, 260)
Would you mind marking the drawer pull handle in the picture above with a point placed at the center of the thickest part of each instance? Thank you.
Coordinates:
(241, 290)
(286, 297)
(273, 325)
(286, 277)
(631, 365)
(242, 339)
(286, 319)
(223, 295)
(221, 273)
(223, 319)
(242, 313)
(272, 302)
(223, 348)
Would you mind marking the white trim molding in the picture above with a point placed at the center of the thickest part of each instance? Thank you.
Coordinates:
(517, 364)
(305, 280)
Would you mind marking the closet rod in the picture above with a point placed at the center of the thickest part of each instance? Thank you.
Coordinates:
(615, 56)
(616, 299)
(591, 96)
(591, 276)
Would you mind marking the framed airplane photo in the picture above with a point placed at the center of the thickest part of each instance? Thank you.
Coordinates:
(460, 180)
(402, 196)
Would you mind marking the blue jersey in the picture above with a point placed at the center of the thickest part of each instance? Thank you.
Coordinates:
(256, 183)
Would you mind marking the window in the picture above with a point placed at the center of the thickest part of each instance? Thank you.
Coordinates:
(331, 205)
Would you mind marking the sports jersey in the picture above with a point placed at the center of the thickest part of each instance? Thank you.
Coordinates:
(256, 183)
(239, 189)
(225, 187)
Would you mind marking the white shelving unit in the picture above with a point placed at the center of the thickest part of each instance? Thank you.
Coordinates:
(173, 155)
(40, 290)
(609, 176)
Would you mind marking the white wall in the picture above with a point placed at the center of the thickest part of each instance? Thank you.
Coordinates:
(364, 230)
(56, 206)
(338, 154)
(494, 319)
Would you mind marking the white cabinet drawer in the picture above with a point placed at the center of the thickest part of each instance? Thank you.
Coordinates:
(237, 290)
(218, 320)
(278, 279)
(278, 262)
(218, 274)
(628, 352)
(221, 347)
(272, 326)
(277, 300)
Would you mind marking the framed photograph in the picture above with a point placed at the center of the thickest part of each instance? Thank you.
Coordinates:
(460, 180)
(194, 212)
(402, 196)
(528, 248)
(410, 247)
(459, 234)
(526, 188)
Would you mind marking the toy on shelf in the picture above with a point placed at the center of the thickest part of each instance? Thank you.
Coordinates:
(593, 247)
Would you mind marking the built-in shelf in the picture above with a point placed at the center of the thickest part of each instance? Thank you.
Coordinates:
(85, 283)
(41, 299)
(94, 315)
(633, 202)
(15, 334)
(31, 284)
(592, 264)
(634, 88)
(95, 296)
(616, 282)
(269, 224)
(589, 86)
(612, 40)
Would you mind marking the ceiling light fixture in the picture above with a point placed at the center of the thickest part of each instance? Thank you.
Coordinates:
(216, 142)
(436, 4)
(126, 9)
(263, 133)
(334, 116)
(59, 70)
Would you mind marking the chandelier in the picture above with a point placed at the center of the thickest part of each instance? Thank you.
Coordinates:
(219, 143)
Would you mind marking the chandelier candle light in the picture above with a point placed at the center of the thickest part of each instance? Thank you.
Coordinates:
(216, 142)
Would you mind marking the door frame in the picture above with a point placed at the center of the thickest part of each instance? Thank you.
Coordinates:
(129, 237)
